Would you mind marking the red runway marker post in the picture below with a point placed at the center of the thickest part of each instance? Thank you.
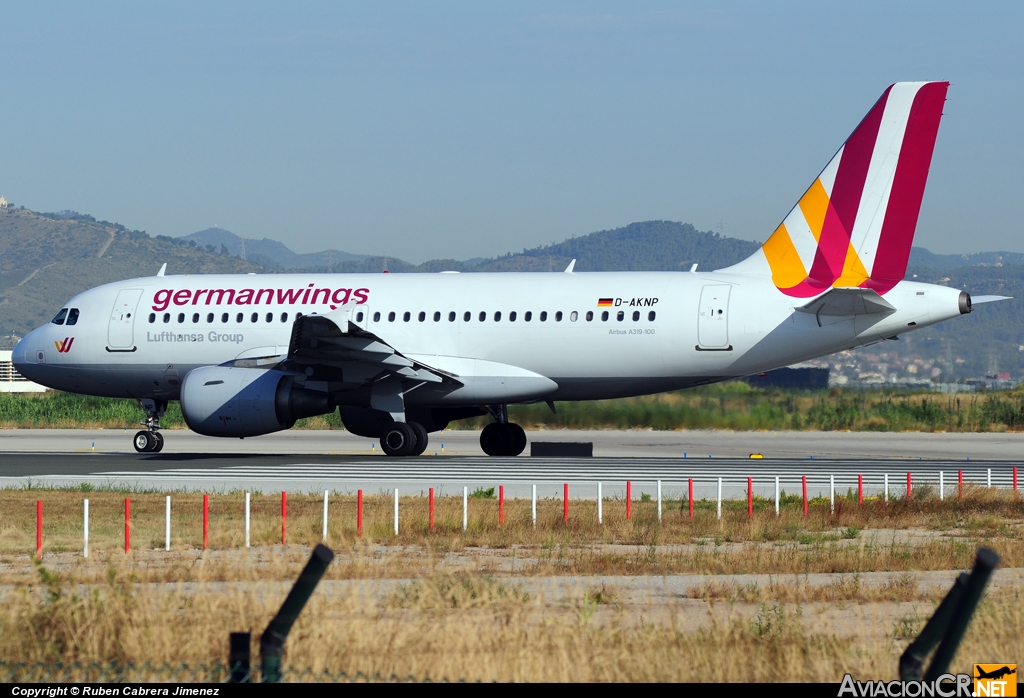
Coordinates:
(39, 529)
(431, 508)
(284, 517)
(959, 483)
(1015, 478)
(750, 497)
(501, 504)
(629, 499)
(206, 521)
(860, 489)
(565, 503)
(804, 480)
(908, 485)
(127, 525)
(359, 514)
(691, 497)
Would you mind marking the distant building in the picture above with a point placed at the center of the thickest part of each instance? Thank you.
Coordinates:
(792, 378)
(3, 202)
(13, 382)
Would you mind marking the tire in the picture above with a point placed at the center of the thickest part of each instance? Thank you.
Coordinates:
(496, 439)
(143, 442)
(518, 439)
(421, 438)
(398, 440)
(159, 442)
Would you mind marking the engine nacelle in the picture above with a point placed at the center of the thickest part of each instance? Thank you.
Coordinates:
(237, 402)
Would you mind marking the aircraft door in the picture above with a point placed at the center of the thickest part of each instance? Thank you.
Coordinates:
(713, 318)
(120, 331)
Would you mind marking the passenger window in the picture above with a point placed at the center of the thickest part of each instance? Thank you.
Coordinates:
(284, 317)
(574, 316)
(255, 317)
(483, 315)
(181, 318)
(195, 318)
(497, 316)
(437, 316)
(512, 316)
(406, 316)
(167, 317)
(543, 315)
(58, 319)
(422, 316)
(451, 316)
(298, 316)
(73, 316)
(224, 317)
(465, 318)
(359, 316)
(376, 317)
(651, 316)
(209, 317)
(558, 316)
(604, 316)
(238, 318)
(528, 316)
(636, 316)
(620, 316)
(270, 317)
(152, 318)
(391, 316)
(590, 315)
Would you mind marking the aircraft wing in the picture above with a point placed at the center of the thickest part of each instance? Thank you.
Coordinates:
(337, 344)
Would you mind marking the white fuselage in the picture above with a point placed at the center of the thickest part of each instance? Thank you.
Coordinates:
(664, 330)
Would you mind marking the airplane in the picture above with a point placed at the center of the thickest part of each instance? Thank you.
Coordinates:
(402, 355)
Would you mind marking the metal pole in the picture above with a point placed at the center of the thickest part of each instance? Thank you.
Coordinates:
(832, 494)
(887, 487)
(465, 507)
(533, 507)
(942, 485)
(600, 502)
(659, 501)
(396, 511)
(246, 519)
(989, 479)
(85, 529)
(719, 497)
(167, 523)
(776, 495)
(325, 517)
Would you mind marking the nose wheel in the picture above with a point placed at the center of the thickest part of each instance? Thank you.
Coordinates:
(148, 442)
(503, 439)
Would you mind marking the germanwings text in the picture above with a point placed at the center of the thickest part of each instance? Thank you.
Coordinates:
(165, 297)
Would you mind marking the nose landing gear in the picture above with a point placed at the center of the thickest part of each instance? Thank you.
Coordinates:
(502, 438)
(150, 440)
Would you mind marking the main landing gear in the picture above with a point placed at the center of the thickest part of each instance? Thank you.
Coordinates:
(150, 440)
(404, 439)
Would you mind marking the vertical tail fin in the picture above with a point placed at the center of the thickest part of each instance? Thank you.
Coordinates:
(855, 224)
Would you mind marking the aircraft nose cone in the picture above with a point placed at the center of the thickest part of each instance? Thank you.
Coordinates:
(19, 357)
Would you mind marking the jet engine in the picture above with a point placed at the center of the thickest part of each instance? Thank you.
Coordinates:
(238, 402)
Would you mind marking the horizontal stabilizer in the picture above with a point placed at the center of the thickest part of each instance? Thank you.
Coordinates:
(976, 300)
(846, 302)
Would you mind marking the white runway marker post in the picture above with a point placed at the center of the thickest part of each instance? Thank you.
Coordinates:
(719, 497)
(886, 487)
(942, 486)
(325, 516)
(832, 494)
(465, 507)
(167, 523)
(396, 511)
(533, 506)
(989, 481)
(776, 495)
(85, 529)
(247, 519)
(600, 502)
(659, 501)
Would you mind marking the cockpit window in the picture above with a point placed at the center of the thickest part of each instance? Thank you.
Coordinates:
(59, 318)
(72, 316)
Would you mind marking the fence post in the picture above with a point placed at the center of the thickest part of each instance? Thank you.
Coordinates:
(85, 529)
(533, 506)
(359, 514)
(396, 511)
(167, 523)
(284, 517)
(659, 501)
(431, 508)
(750, 497)
(325, 516)
(690, 486)
(39, 529)
(565, 503)
(719, 497)
(629, 499)
(127, 525)
(600, 503)
(501, 505)
(246, 519)
(465, 508)
(803, 481)
(860, 489)
(777, 495)
(206, 521)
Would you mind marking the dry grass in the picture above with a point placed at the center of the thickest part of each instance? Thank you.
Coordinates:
(899, 587)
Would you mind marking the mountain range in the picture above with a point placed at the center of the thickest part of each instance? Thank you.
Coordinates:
(46, 258)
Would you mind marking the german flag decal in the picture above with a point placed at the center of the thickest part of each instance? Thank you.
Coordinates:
(604, 302)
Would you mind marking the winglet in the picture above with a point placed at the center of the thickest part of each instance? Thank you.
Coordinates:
(163, 270)
(568, 269)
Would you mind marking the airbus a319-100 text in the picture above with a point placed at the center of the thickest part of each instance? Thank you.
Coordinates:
(402, 355)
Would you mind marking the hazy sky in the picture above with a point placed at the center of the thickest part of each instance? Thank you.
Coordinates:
(472, 129)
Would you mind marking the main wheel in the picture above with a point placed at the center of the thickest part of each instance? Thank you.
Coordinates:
(398, 440)
(496, 439)
(421, 438)
(143, 442)
(518, 439)
(158, 442)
